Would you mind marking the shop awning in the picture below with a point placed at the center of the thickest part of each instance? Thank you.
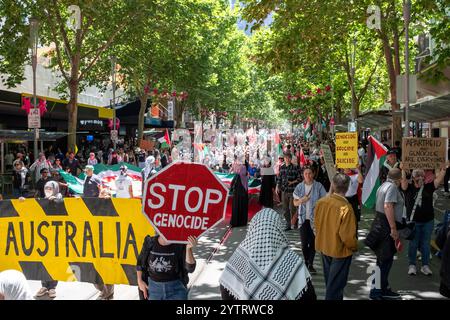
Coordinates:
(23, 135)
(432, 110)
(375, 119)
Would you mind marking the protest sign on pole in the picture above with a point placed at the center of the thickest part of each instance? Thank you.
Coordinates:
(329, 161)
(347, 150)
(424, 153)
(184, 199)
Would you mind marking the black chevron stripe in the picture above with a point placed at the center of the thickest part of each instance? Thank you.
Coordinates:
(35, 270)
(130, 272)
(7, 209)
(52, 208)
(86, 272)
(101, 207)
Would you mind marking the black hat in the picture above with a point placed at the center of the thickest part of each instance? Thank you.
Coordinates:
(391, 151)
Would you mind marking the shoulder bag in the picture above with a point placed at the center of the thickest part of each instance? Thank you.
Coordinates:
(408, 231)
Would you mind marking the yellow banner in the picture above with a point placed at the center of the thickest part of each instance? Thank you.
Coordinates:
(347, 150)
(89, 240)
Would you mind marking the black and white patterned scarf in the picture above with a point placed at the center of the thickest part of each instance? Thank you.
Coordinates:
(263, 267)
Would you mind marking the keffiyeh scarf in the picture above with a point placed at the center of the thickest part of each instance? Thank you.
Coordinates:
(263, 267)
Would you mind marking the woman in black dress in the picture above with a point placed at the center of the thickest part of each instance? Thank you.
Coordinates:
(267, 186)
(239, 216)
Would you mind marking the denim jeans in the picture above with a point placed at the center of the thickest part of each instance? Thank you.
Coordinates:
(170, 290)
(336, 273)
(422, 242)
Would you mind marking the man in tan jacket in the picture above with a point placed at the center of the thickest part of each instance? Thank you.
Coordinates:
(335, 225)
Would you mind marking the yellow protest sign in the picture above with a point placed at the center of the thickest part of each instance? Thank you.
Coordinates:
(347, 150)
(89, 240)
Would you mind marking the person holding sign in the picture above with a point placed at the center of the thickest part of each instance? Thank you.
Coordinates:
(162, 268)
(419, 208)
(356, 178)
(51, 191)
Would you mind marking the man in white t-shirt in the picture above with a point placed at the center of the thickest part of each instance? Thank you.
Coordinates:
(356, 178)
(124, 184)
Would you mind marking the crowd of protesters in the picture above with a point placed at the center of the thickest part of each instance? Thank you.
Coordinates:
(325, 212)
(319, 208)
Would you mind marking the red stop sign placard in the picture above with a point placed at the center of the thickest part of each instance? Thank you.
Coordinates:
(184, 199)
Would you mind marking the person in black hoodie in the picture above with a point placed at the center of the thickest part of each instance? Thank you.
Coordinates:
(162, 268)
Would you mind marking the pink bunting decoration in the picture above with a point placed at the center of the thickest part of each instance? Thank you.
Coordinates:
(42, 107)
(111, 126)
(26, 104)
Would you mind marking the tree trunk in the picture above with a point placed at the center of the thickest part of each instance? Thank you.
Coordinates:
(72, 121)
(392, 72)
(141, 120)
(179, 109)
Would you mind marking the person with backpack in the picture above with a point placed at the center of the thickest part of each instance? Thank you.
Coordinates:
(162, 268)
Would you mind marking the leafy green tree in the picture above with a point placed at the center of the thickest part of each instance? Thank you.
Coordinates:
(77, 51)
(307, 34)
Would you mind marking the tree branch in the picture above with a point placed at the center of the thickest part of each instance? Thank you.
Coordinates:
(369, 80)
(58, 51)
(61, 28)
(104, 47)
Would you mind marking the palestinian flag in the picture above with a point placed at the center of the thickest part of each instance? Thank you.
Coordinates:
(303, 160)
(376, 155)
(107, 175)
(277, 142)
(165, 141)
(254, 185)
(307, 129)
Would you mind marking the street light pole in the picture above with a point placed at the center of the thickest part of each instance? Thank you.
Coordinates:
(34, 39)
(113, 74)
(353, 71)
(407, 17)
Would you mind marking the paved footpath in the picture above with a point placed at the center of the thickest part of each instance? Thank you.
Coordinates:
(216, 247)
(421, 287)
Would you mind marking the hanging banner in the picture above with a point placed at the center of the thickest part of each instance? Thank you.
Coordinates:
(170, 108)
(89, 240)
(198, 145)
(155, 111)
(424, 153)
(347, 150)
(329, 161)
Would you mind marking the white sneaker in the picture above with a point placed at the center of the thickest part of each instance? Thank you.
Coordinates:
(52, 293)
(42, 292)
(412, 270)
(426, 270)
